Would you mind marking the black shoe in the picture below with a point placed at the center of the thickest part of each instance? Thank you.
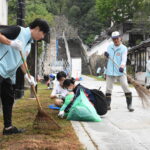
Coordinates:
(13, 130)
(130, 108)
(129, 101)
(108, 100)
(108, 108)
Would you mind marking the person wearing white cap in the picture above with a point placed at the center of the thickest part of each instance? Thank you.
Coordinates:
(117, 52)
(148, 73)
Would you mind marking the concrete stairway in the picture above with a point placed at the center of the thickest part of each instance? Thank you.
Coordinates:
(50, 55)
(61, 50)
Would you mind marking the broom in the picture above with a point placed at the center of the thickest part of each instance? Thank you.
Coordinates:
(42, 120)
(143, 93)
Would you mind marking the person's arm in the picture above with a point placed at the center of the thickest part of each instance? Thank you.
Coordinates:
(53, 94)
(124, 59)
(31, 80)
(70, 105)
(28, 49)
(62, 113)
(4, 40)
(74, 98)
(106, 53)
(8, 34)
(16, 44)
(23, 68)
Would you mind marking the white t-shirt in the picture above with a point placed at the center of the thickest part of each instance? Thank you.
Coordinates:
(98, 70)
(59, 90)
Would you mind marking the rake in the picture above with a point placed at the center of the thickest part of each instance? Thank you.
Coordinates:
(42, 120)
(143, 93)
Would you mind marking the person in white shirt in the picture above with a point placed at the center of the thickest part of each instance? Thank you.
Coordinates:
(148, 73)
(59, 93)
(98, 71)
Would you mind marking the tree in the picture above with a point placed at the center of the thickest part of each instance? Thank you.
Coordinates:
(117, 11)
(34, 9)
(74, 11)
(90, 26)
(143, 13)
(12, 12)
(55, 7)
(62, 25)
(142, 19)
(37, 10)
(82, 15)
(51, 7)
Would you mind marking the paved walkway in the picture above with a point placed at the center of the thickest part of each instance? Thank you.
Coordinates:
(119, 129)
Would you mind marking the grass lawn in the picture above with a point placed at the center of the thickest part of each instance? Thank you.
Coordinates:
(102, 79)
(24, 113)
(96, 77)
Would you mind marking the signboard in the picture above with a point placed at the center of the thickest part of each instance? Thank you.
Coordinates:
(76, 68)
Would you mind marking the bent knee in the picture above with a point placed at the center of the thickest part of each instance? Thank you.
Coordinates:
(58, 102)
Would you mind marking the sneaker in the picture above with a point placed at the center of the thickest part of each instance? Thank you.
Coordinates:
(13, 130)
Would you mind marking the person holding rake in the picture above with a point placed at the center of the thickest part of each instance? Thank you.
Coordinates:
(116, 68)
(14, 39)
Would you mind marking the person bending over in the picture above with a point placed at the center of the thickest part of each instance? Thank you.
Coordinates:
(14, 39)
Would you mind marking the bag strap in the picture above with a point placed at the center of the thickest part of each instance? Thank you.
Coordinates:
(74, 98)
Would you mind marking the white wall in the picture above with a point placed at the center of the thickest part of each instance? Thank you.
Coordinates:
(140, 77)
(76, 67)
(100, 48)
(3, 12)
(125, 37)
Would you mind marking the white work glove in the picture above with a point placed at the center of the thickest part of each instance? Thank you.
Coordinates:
(61, 114)
(30, 80)
(16, 44)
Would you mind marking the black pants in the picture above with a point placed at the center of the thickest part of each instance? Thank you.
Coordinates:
(7, 98)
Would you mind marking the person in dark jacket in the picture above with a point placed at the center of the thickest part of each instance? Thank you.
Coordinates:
(70, 85)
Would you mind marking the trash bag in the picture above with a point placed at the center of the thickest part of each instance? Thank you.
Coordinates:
(83, 110)
(68, 98)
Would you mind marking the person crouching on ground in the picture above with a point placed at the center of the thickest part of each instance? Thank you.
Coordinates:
(70, 85)
(14, 39)
(118, 53)
(59, 92)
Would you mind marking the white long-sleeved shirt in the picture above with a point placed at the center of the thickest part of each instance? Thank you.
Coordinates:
(59, 90)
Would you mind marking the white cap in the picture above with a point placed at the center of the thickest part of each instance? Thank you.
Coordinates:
(115, 34)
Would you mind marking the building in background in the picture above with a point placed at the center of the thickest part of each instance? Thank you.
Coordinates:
(3, 12)
(132, 36)
(138, 56)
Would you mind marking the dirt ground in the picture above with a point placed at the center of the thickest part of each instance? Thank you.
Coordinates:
(24, 113)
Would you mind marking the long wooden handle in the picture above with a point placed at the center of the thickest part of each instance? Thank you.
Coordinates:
(128, 76)
(32, 86)
(117, 65)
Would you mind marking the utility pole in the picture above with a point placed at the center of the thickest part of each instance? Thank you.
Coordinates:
(19, 86)
(21, 12)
